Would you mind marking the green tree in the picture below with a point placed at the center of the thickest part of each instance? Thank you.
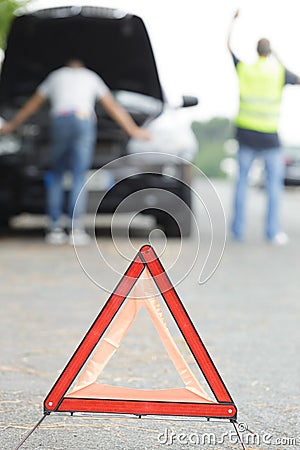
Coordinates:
(7, 10)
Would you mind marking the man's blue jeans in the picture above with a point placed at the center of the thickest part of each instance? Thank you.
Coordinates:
(273, 162)
(72, 141)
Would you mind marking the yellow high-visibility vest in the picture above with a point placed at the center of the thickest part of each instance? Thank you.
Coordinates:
(261, 86)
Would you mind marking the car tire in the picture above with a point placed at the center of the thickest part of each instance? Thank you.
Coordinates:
(4, 223)
(172, 228)
(181, 224)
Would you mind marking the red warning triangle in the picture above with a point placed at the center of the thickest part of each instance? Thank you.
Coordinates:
(94, 398)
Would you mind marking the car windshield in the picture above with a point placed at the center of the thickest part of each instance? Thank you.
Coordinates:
(116, 47)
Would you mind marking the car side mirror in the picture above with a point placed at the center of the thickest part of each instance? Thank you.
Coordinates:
(189, 100)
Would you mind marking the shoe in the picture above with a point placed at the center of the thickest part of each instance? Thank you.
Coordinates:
(79, 237)
(56, 236)
(280, 238)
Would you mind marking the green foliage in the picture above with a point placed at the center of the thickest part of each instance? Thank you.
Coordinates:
(211, 136)
(7, 10)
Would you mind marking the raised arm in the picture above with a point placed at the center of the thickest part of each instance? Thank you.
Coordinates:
(121, 116)
(292, 77)
(30, 107)
(236, 14)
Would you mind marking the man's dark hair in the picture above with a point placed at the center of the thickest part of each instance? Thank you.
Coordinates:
(263, 47)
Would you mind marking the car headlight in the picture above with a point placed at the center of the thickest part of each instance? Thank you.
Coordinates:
(9, 144)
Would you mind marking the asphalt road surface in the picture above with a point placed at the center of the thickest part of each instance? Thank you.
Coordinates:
(247, 315)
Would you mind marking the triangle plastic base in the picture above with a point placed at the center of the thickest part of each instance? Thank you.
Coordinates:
(99, 398)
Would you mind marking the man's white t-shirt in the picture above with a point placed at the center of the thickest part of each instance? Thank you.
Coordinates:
(73, 89)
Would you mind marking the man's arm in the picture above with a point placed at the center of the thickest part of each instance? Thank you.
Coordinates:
(30, 107)
(236, 14)
(290, 77)
(121, 116)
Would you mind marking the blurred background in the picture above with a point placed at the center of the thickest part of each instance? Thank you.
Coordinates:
(189, 43)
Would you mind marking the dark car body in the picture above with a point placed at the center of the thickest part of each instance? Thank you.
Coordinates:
(292, 165)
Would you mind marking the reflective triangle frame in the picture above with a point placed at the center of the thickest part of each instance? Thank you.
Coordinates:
(222, 408)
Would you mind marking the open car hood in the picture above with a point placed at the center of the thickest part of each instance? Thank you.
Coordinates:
(114, 45)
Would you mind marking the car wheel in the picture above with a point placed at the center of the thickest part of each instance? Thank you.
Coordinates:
(4, 222)
(181, 227)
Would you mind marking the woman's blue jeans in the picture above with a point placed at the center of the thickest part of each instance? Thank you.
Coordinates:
(72, 142)
(273, 162)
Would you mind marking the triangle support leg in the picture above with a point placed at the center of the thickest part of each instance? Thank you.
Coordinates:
(238, 434)
(31, 431)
